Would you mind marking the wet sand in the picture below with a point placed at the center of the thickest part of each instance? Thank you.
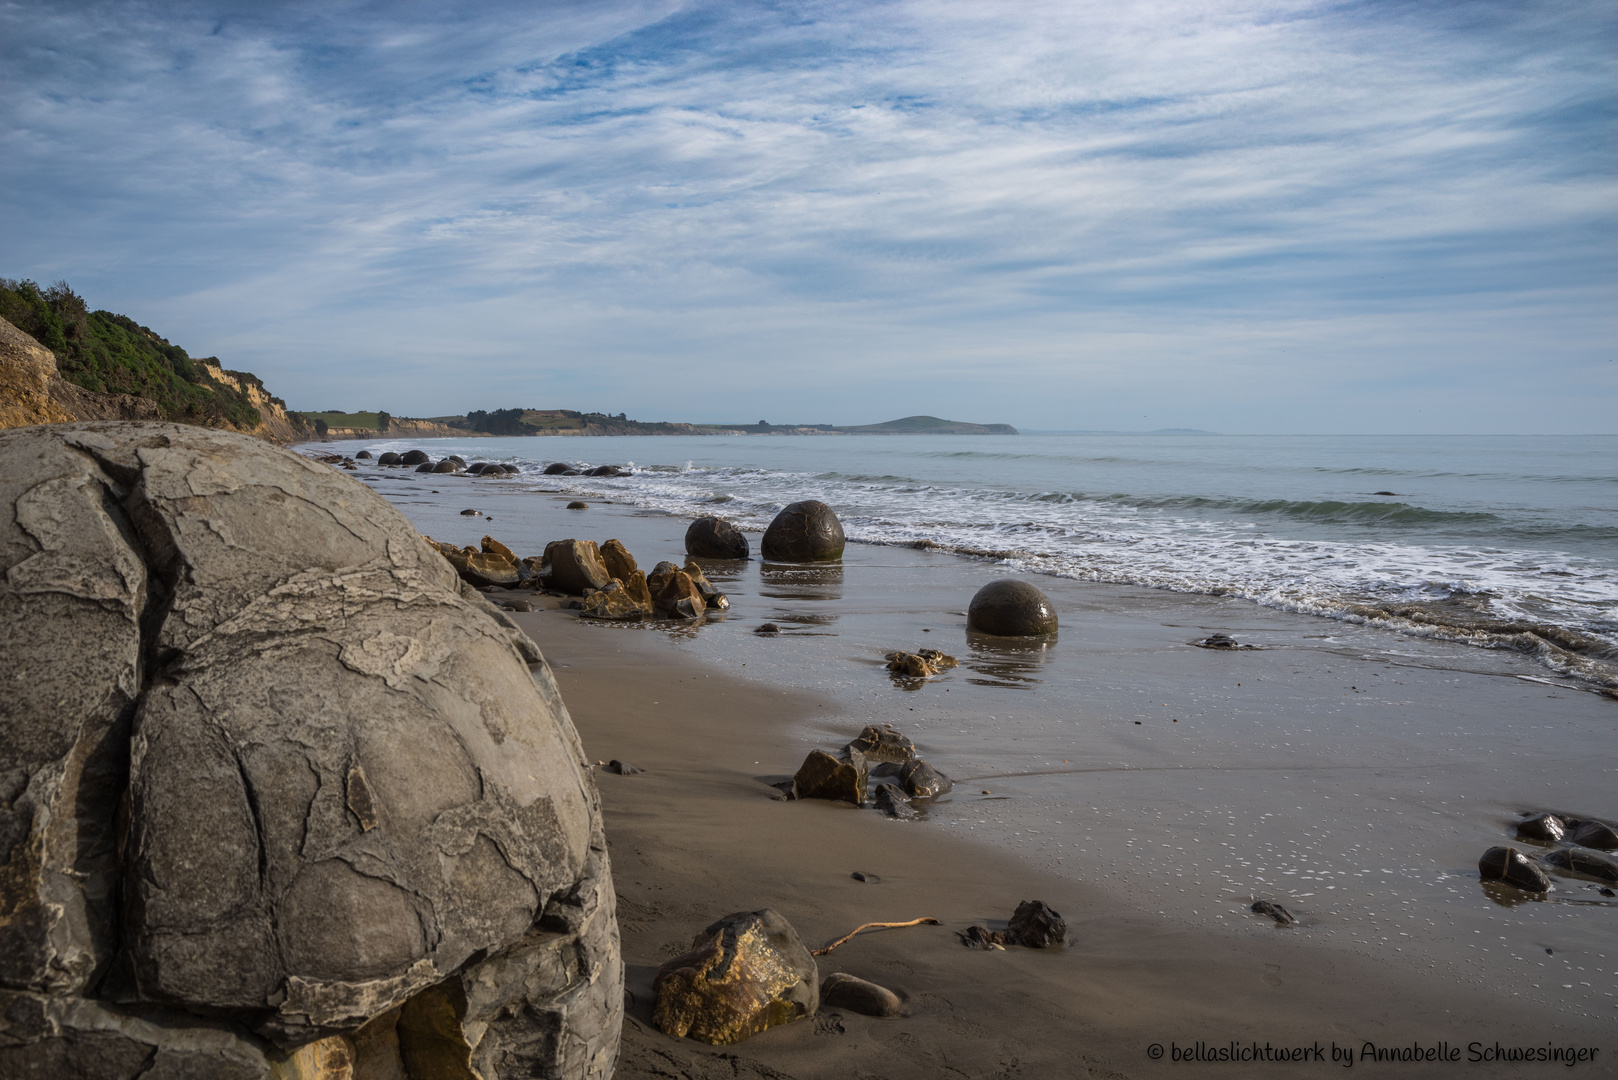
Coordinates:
(1146, 789)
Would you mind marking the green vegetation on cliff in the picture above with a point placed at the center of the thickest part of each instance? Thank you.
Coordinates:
(113, 354)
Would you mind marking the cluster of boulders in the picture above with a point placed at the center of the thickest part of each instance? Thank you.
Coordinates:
(879, 769)
(605, 578)
(1576, 847)
(279, 795)
(921, 664)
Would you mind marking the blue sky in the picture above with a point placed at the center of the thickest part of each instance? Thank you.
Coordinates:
(1260, 216)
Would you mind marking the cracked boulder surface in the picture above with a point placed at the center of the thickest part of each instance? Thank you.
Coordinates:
(278, 795)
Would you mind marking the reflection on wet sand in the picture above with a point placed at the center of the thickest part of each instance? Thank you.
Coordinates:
(1015, 663)
(796, 581)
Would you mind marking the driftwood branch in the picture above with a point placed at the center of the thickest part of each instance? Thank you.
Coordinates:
(874, 926)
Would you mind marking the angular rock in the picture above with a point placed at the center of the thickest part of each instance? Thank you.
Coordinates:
(981, 937)
(622, 768)
(883, 744)
(1594, 834)
(320, 780)
(1281, 915)
(614, 602)
(673, 592)
(491, 546)
(891, 801)
(822, 776)
(844, 991)
(1035, 926)
(1009, 607)
(576, 566)
(805, 531)
(910, 665)
(922, 781)
(940, 660)
(414, 457)
(1546, 828)
(617, 559)
(485, 570)
(1511, 866)
(746, 973)
(1584, 862)
(715, 538)
(389, 458)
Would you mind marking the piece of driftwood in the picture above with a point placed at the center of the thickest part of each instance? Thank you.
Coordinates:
(875, 926)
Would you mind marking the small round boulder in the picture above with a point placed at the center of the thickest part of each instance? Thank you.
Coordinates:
(806, 531)
(1011, 608)
(715, 538)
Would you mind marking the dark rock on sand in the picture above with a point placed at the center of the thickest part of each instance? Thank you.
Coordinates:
(891, 801)
(1009, 607)
(981, 937)
(910, 665)
(768, 628)
(1281, 915)
(1220, 641)
(560, 468)
(1546, 828)
(806, 531)
(363, 455)
(747, 972)
(414, 457)
(617, 559)
(576, 505)
(922, 781)
(195, 782)
(516, 605)
(1035, 926)
(822, 776)
(715, 538)
(622, 768)
(607, 470)
(1593, 834)
(1584, 862)
(471, 513)
(844, 991)
(1511, 866)
(389, 458)
(883, 743)
(869, 879)
(576, 566)
(425, 467)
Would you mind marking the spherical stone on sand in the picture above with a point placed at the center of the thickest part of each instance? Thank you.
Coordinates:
(806, 531)
(715, 538)
(1009, 607)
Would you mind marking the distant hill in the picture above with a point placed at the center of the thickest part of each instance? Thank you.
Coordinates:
(929, 425)
(98, 365)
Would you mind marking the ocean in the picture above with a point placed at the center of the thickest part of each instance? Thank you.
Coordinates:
(1497, 541)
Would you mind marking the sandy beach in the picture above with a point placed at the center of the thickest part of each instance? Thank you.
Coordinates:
(1351, 774)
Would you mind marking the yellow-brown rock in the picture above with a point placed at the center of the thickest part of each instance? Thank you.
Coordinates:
(747, 972)
(613, 601)
(910, 665)
(491, 546)
(619, 562)
(576, 566)
(26, 370)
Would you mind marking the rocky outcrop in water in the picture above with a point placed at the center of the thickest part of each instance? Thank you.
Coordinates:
(279, 793)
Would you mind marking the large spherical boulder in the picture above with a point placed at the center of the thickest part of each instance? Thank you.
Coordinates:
(1011, 608)
(267, 766)
(715, 538)
(806, 531)
(414, 457)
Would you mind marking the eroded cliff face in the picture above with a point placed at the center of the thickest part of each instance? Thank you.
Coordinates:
(27, 369)
(32, 391)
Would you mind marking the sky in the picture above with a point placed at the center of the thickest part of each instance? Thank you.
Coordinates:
(1237, 215)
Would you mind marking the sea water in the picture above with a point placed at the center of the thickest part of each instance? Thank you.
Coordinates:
(1500, 541)
(1353, 767)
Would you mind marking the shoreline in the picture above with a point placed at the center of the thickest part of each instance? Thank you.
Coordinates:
(698, 835)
